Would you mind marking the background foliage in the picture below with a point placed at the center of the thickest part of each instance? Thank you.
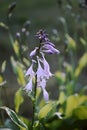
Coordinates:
(65, 22)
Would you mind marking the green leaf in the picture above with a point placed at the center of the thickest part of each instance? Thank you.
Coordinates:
(80, 112)
(83, 41)
(55, 116)
(71, 42)
(62, 97)
(44, 112)
(16, 48)
(15, 45)
(81, 65)
(60, 76)
(3, 25)
(13, 116)
(18, 70)
(73, 102)
(1, 79)
(20, 73)
(3, 66)
(69, 68)
(18, 100)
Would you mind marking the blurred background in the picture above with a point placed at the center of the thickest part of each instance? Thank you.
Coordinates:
(66, 23)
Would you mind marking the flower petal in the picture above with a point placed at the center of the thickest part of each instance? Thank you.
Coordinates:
(46, 68)
(33, 53)
(29, 86)
(45, 95)
(41, 83)
(30, 71)
(40, 71)
(51, 48)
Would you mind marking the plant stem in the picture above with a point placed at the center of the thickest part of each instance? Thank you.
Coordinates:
(34, 103)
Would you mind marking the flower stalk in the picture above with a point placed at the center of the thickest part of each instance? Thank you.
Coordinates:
(34, 103)
(41, 72)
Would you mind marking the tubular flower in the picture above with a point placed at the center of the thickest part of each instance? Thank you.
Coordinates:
(30, 71)
(29, 86)
(33, 53)
(42, 71)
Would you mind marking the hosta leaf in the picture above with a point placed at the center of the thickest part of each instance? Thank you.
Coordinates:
(73, 102)
(81, 65)
(18, 70)
(62, 97)
(80, 112)
(3, 66)
(16, 47)
(55, 116)
(71, 42)
(18, 99)
(13, 116)
(45, 110)
(20, 74)
(1, 79)
(3, 25)
(60, 76)
(83, 41)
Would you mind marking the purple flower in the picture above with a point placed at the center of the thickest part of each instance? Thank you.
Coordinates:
(47, 51)
(42, 36)
(46, 68)
(40, 71)
(30, 71)
(33, 53)
(29, 86)
(45, 95)
(51, 48)
(50, 43)
(41, 83)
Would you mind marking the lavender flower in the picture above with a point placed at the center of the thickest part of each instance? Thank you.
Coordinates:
(47, 72)
(50, 48)
(33, 53)
(42, 36)
(45, 95)
(29, 86)
(30, 71)
(42, 72)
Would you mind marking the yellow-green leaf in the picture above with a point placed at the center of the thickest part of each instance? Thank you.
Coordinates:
(13, 116)
(45, 110)
(81, 65)
(1, 79)
(73, 102)
(83, 41)
(18, 70)
(62, 97)
(71, 42)
(80, 112)
(3, 66)
(16, 47)
(18, 100)
(3, 25)
(60, 76)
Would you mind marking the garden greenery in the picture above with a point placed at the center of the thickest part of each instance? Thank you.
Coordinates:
(69, 110)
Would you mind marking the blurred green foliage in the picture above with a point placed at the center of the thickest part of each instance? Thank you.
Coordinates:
(68, 27)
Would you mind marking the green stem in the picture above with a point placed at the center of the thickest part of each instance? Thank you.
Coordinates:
(34, 103)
